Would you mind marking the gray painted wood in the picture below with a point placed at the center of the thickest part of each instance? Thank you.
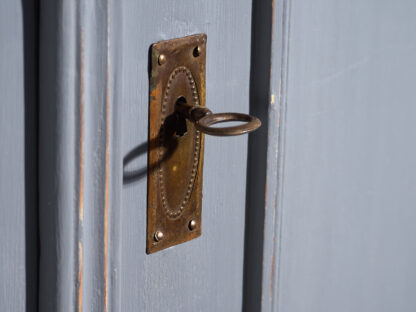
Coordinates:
(93, 112)
(58, 273)
(204, 274)
(18, 197)
(76, 165)
(268, 80)
(12, 155)
(345, 214)
(340, 179)
(275, 154)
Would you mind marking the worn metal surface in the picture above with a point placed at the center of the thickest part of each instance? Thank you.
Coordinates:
(250, 124)
(176, 147)
(177, 120)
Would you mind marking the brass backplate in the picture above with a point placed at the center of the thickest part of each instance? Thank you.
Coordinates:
(176, 148)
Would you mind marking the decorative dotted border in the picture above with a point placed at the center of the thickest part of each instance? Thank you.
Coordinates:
(173, 214)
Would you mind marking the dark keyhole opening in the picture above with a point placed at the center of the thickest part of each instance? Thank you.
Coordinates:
(180, 119)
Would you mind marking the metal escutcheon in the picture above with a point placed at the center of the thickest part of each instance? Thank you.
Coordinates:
(178, 119)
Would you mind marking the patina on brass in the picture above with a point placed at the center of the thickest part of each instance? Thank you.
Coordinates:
(175, 145)
(177, 120)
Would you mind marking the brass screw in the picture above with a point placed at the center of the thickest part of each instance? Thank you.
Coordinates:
(192, 225)
(162, 59)
(197, 51)
(158, 236)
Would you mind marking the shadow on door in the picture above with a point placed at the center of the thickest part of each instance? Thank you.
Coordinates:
(257, 154)
(30, 36)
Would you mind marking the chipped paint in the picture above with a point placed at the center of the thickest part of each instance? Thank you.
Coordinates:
(155, 93)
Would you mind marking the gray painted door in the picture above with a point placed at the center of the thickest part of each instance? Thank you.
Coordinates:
(346, 200)
(333, 230)
(204, 274)
(95, 116)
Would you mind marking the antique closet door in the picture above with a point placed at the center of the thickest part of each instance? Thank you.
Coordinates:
(332, 82)
(94, 110)
(204, 274)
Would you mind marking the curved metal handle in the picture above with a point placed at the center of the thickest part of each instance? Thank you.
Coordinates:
(204, 119)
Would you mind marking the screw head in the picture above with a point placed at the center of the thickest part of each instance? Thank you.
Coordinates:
(192, 225)
(158, 236)
(162, 59)
(197, 51)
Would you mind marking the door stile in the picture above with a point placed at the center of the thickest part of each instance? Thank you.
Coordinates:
(275, 154)
(78, 163)
(270, 43)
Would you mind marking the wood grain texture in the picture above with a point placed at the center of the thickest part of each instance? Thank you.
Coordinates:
(348, 177)
(18, 156)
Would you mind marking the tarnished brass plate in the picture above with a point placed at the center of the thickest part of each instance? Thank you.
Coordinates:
(176, 148)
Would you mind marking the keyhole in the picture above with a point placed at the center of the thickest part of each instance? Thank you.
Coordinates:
(180, 119)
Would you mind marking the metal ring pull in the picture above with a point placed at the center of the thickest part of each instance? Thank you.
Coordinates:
(251, 124)
(204, 119)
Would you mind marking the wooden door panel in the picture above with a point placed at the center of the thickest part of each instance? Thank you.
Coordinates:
(346, 210)
(338, 207)
(94, 87)
(204, 274)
